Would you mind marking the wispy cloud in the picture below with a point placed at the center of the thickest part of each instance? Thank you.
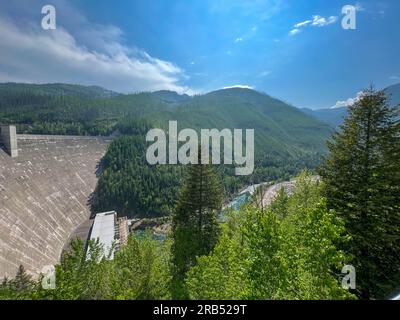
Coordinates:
(90, 54)
(319, 21)
(395, 78)
(302, 24)
(316, 21)
(294, 31)
(237, 40)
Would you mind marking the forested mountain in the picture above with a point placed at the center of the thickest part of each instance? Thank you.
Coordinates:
(17, 94)
(286, 139)
(335, 116)
(74, 114)
(279, 128)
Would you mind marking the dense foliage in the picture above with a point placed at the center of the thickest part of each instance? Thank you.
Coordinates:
(362, 177)
(70, 109)
(127, 183)
(130, 186)
(140, 270)
(287, 251)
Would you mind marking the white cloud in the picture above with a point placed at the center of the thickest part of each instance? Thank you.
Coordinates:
(316, 21)
(294, 31)
(237, 40)
(319, 21)
(349, 102)
(254, 29)
(94, 54)
(302, 24)
(396, 78)
(240, 86)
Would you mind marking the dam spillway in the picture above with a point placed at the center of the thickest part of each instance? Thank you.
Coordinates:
(44, 197)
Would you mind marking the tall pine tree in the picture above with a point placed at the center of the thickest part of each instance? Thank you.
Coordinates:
(362, 178)
(195, 227)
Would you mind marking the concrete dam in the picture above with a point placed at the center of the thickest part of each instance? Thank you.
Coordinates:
(45, 186)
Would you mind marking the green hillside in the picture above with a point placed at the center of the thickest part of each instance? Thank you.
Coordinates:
(279, 128)
(286, 139)
(170, 96)
(10, 91)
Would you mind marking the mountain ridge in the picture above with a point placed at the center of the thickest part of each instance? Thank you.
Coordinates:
(58, 89)
(277, 124)
(280, 128)
(334, 116)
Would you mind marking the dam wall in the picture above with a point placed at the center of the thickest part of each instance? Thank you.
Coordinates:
(44, 197)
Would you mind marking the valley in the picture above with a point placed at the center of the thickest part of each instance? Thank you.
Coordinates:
(82, 151)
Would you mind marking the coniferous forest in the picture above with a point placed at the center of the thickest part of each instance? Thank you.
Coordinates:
(200, 158)
(294, 248)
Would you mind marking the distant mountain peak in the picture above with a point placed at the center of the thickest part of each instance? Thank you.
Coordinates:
(169, 96)
(234, 90)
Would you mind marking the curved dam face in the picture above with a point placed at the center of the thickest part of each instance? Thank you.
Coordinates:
(44, 197)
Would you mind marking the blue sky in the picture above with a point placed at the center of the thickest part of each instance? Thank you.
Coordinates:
(201, 45)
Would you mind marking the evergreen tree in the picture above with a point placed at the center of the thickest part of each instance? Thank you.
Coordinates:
(195, 227)
(22, 280)
(362, 177)
(22, 285)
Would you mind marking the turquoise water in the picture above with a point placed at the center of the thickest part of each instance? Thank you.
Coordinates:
(239, 201)
(235, 205)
